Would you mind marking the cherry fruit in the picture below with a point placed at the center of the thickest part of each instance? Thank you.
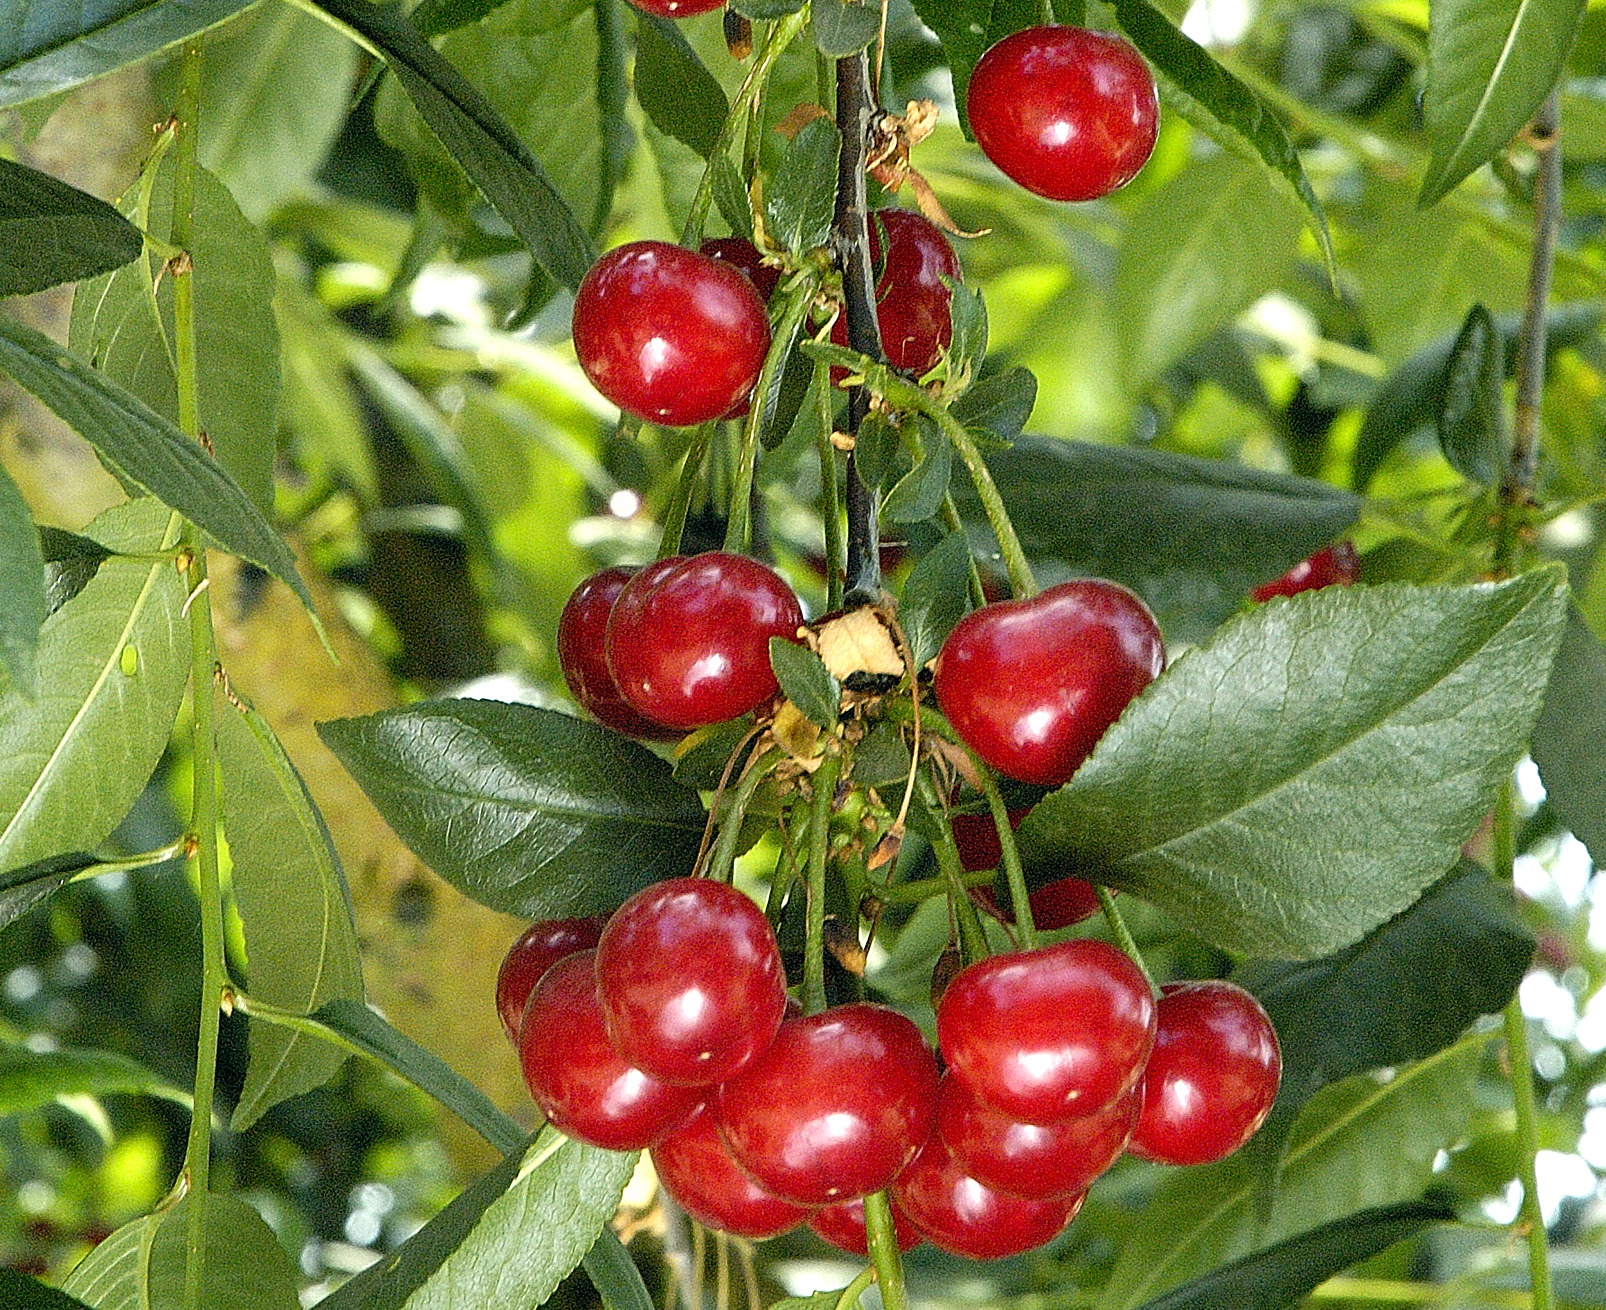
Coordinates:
(537, 949)
(842, 1225)
(582, 655)
(677, 8)
(669, 335)
(1031, 685)
(697, 1169)
(1335, 565)
(911, 258)
(1067, 113)
(740, 253)
(1057, 904)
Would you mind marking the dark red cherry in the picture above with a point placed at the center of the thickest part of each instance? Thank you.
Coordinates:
(1057, 904)
(912, 301)
(677, 8)
(842, 1225)
(1335, 565)
(538, 947)
(741, 253)
(697, 1169)
(582, 655)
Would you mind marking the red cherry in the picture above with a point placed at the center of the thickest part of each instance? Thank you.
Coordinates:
(1067, 113)
(697, 1169)
(581, 1083)
(842, 1225)
(740, 253)
(677, 8)
(1335, 565)
(1031, 685)
(1212, 1077)
(911, 299)
(965, 1217)
(976, 835)
(1038, 1160)
(690, 980)
(540, 946)
(582, 655)
(689, 638)
(1048, 1034)
(669, 335)
(836, 1105)
(1054, 905)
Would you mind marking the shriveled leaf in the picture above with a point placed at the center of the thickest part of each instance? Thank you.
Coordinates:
(52, 233)
(31, 1079)
(22, 588)
(1472, 410)
(1303, 777)
(936, 595)
(806, 682)
(675, 88)
(999, 404)
(1567, 738)
(802, 193)
(116, 1274)
(841, 28)
(19, 1292)
(246, 1268)
(525, 810)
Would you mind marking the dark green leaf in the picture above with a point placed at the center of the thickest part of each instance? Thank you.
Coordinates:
(47, 46)
(936, 595)
(806, 682)
(842, 28)
(30, 1079)
(875, 448)
(968, 314)
(882, 758)
(1567, 738)
(143, 447)
(525, 810)
(613, 102)
(52, 233)
(701, 756)
(22, 587)
(1191, 536)
(1472, 411)
(1218, 104)
(1290, 786)
(1000, 404)
(615, 1275)
(918, 495)
(70, 562)
(438, 17)
(678, 92)
(1282, 1276)
(490, 153)
(763, 9)
(19, 1292)
(1489, 64)
(819, 1301)
(246, 1268)
(24, 887)
(730, 195)
(802, 193)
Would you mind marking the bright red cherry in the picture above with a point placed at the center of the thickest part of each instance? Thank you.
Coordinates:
(740, 253)
(696, 1168)
(540, 946)
(1067, 113)
(1048, 1034)
(669, 335)
(689, 638)
(582, 655)
(585, 1087)
(690, 980)
(1335, 565)
(1039, 1160)
(836, 1105)
(968, 1218)
(842, 1225)
(911, 298)
(1031, 685)
(677, 8)
(1212, 1077)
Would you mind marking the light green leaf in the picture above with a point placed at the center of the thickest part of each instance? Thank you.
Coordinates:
(246, 1268)
(115, 1275)
(1304, 776)
(22, 588)
(1490, 63)
(806, 682)
(843, 28)
(52, 233)
(30, 1079)
(300, 942)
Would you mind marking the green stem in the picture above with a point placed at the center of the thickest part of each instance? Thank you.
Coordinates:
(144, 860)
(953, 523)
(923, 889)
(884, 1255)
(972, 939)
(830, 499)
(685, 486)
(1019, 898)
(1123, 934)
(819, 843)
(857, 1288)
(723, 859)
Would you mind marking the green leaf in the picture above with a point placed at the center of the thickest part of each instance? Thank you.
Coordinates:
(19, 1292)
(22, 588)
(1288, 787)
(1567, 738)
(918, 495)
(31, 1079)
(936, 595)
(1221, 106)
(46, 46)
(52, 233)
(115, 1274)
(842, 28)
(1000, 403)
(70, 562)
(1472, 411)
(765, 9)
(25, 886)
(144, 448)
(488, 150)
(1489, 64)
(1176, 281)
(116, 659)
(236, 336)
(806, 682)
(300, 942)
(1282, 1276)
(615, 1275)
(802, 193)
(525, 810)
(1191, 536)
(967, 313)
(675, 88)
(246, 1268)
(730, 195)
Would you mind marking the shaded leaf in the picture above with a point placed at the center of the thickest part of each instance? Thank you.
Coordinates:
(22, 587)
(999, 404)
(525, 810)
(806, 682)
(31, 1079)
(936, 595)
(24, 887)
(615, 1275)
(1568, 736)
(437, 17)
(730, 195)
(1288, 787)
(802, 192)
(70, 562)
(918, 495)
(52, 233)
(115, 1274)
(246, 1268)
(967, 314)
(675, 88)
(1472, 410)
(760, 9)
(19, 1292)
(842, 28)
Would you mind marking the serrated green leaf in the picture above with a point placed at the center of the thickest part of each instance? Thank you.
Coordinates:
(936, 595)
(1472, 409)
(967, 315)
(527, 811)
(52, 233)
(806, 682)
(1568, 736)
(1176, 281)
(802, 192)
(730, 195)
(1001, 404)
(675, 88)
(919, 493)
(22, 588)
(144, 448)
(842, 28)
(31, 1079)
(1288, 787)
(19, 1292)
(300, 942)
(115, 1274)
(1191, 536)
(46, 46)
(246, 1268)
(1489, 64)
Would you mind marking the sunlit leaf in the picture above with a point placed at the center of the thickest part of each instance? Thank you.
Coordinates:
(802, 194)
(115, 1274)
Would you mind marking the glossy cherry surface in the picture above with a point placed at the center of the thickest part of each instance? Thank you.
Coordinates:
(585, 1087)
(911, 257)
(690, 980)
(836, 1105)
(582, 655)
(1057, 904)
(689, 638)
(669, 335)
(954, 1211)
(677, 8)
(1067, 113)
(1031, 685)
(696, 1168)
(1335, 565)
(538, 947)
(1212, 1077)
(1048, 1034)
(842, 1225)
(740, 253)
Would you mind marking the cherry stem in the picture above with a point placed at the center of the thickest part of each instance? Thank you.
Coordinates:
(1019, 898)
(819, 843)
(830, 501)
(1123, 934)
(856, 1289)
(972, 937)
(882, 1235)
(952, 521)
(679, 505)
(723, 860)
